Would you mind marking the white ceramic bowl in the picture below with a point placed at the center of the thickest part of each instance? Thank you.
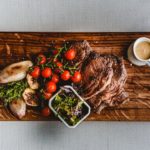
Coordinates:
(72, 89)
(140, 40)
(133, 58)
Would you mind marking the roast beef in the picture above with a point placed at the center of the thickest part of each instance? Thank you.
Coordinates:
(103, 79)
(82, 49)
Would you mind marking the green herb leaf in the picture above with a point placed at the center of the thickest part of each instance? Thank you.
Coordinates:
(12, 91)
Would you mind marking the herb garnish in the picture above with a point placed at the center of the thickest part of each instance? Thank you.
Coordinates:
(12, 91)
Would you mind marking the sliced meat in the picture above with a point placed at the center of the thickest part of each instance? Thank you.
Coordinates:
(114, 94)
(82, 49)
(96, 74)
(103, 79)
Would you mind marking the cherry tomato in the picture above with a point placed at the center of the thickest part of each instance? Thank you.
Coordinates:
(59, 64)
(46, 111)
(65, 75)
(35, 73)
(41, 59)
(55, 78)
(55, 52)
(70, 54)
(76, 77)
(47, 95)
(46, 72)
(51, 87)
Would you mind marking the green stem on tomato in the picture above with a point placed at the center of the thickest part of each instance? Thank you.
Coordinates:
(59, 52)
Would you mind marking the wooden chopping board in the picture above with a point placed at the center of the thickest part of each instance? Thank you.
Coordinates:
(15, 46)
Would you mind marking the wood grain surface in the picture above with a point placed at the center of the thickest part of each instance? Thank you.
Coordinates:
(17, 46)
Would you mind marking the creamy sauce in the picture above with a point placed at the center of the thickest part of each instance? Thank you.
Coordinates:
(143, 50)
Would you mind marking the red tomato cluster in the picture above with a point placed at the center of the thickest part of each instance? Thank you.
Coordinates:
(52, 75)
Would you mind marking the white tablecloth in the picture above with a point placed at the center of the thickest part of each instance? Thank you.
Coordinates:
(74, 15)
